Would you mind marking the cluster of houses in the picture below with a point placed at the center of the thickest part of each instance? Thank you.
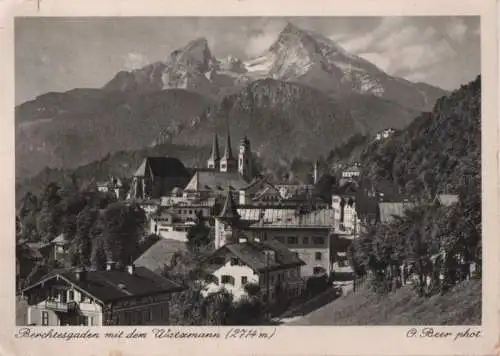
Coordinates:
(273, 236)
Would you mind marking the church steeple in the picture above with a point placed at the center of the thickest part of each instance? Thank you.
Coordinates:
(214, 160)
(226, 228)
(228, 162)
(229, 211)
(228, 152)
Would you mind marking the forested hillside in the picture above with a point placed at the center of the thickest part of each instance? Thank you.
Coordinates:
(439, 153)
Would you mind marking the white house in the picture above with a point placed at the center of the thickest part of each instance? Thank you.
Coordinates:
(269, 265)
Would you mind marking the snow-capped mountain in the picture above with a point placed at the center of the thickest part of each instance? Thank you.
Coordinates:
(297, 55)
(305, 89)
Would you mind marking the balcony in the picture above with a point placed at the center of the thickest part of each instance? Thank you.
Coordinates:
(60, 306)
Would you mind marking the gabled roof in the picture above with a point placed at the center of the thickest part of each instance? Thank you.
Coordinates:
(161, 167)
(253, 254)
(389, 210)
(109, 286)
(160, 254)
(447, 199)
(215, 182)
(229, 211)
(61, 239)
(353, 168)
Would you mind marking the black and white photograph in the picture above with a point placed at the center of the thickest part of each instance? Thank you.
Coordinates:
(262, 171)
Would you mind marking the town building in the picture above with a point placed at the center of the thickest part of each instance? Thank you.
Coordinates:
(115, 296)
(113, 185)
(60, 247)
(157, 177)
(384, 134)
(179, 215)
(222, 173)
(306, 232)
(352, 172)
(269, 265)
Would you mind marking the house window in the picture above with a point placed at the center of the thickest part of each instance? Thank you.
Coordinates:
(227, 280)
(292, 240)
(318, 240)
(305, 240)
(84, 320)
(71, 295)
(45, 318)
(91, 321)
(244, 280)
(317, 256)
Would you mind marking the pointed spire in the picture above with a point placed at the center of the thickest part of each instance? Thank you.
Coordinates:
(228, 152)
(215, 155)
(229, 211)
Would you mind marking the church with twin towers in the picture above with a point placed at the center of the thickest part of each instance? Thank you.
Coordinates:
(228, 163)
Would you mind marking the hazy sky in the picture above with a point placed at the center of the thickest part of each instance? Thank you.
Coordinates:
(58, 54)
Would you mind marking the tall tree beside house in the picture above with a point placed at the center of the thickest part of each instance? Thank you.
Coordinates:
(86, 233)
(198, 235)
(122, 230)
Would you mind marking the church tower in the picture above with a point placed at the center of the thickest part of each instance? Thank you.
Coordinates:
(245, 160)
(316, 172)
(225, 223)
(214, 160)
(228, 163)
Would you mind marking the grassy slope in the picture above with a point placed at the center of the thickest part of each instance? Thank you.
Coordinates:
(460, 306)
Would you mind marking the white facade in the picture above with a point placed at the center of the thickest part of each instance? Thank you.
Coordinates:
(234, 276)
(350, 223)
(223, 233)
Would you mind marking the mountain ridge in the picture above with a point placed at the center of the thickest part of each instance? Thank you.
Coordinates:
(167, 101)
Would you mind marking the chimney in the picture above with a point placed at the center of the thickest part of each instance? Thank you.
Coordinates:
(80, 274)
(110, 265)
(131, 269)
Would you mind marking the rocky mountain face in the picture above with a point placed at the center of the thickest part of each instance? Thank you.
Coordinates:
(302, 97)
(74, 128)
(288, 120)
(296, 55)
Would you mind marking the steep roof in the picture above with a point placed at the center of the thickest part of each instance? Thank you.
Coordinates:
(215, 154)
(113, 285)
(229, 211)
(160, 254)
(252, 253)
(61, 239)
(389, 210)
(216, 182)
(228, 151)
(161, 167)
(447, 199)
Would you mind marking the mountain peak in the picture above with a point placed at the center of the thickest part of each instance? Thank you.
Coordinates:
(292, 28)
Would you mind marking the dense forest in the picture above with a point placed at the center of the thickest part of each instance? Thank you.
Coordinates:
(97, 227)
(439, 153)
